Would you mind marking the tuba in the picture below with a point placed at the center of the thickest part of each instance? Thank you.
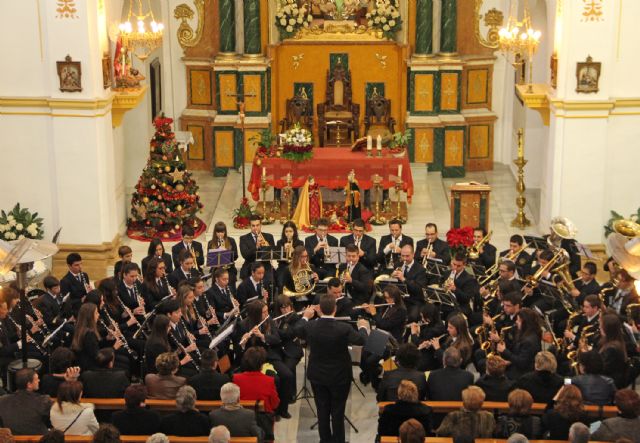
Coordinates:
(303, 283)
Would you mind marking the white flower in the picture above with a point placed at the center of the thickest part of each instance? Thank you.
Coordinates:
(377, 20)
(395, 14)
(283, 21)
(309, 17)
(10, 235)
(287, 9)
(10, 217)
(19, 227)
(383, 19)
(289, 28)
(32, 231)
(12, 221)
(292, 21)
(392, 23)
(370, 23)
(386, 28)
(299, 19)
(20, 237)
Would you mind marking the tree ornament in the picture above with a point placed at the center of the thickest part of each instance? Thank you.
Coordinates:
(167, 168)
(177, 175)
(145, 199)
(179, 207)
(177, 227)
(153, 186)
(179, 187)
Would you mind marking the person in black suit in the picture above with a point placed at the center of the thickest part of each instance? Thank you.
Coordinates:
(136, 418)
(126, 256)
(8, 345)
(406, 407)
(104, 381)
(523, 349)
(222, 297)
(330, 370)
(155, 286)
(252, 242)
(208, 381)
(316, 246)
(156, 250)
(533, 296)
(184, 271)
(366, 244)
(358, 280)
(221, 240)
(587, 283)
(344, 305)
(391, 245)
(407, 358)
(494, 383)
(523, 259)
(75, 283)
(462, 284)
(253, 288)
(436, 248)
(130, 291)
(414, 276)
(487, 252)
(190, 245)
(289, 240)
(53, 307)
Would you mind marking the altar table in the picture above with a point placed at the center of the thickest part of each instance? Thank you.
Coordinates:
(330, 168)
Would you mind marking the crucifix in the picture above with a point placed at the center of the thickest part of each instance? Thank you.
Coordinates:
(240, 103)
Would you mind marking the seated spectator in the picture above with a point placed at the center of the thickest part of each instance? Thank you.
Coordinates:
(209, 381)
(568, 408)
(470, 419)
(407, 358)
(104, 381)
(219, 434)
(596, 388)
(519, 418)
(25, 411)
(60, 361)
(136, 418)
(165, 383)
(158, 437)
(407, 406)
(543, 383)
(107, 434)
(447, 384)
(517, 438)
(239, 421)
(494, 383)
(188, 421)
(69, 415)
(253, 384)
(411, 431)
(52, 436)
(579, 433)
(627, 425)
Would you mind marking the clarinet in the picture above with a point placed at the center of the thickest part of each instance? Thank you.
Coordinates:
(117, 333)
(204, 324)
(39, 319)
(30, 338)
(183, 349)
(127, 309)
(191, 342)
(169, 287)
(210, 309)
(139, 298)
(87, 286)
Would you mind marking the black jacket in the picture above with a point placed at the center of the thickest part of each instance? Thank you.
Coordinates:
(596, 389)
(104, 383)
(317, 259)
(179, 275)
(388, 388)
(558, 426)
(76, 289)
(447, 384)
(248, 251)
(495, 388)
(25, 413)
(329, 360)
(196, 247)
(392, 319)
(246, 290)
(488, 256)
(467, 289)
(208, 383)
(367, 245)
(361, 286)
(51, 307)
(383, 258)
(136, 421)
(522, 356)
(185, 424)
(440, 247)
(416, 280)
(394, 415)
(166, 258)
(522, 261)
(221, 300)
(240, 422)
(542, 385)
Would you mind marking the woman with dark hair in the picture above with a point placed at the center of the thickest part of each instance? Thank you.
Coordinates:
(69, 415)
(526, 345)
(221, 240)
(253, 384)
(458, 337)
(299, 260)
(430, 327)
(519, 418)
(156, 250)
(612, 348)
(596, 388)
(86, 338)
(568, 408)
(155, 286)
(136, 419)
(287, 243)
(60, 361)
(627, 425)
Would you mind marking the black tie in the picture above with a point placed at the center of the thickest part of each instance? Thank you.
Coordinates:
(132, 294)
(406, 271)
(79, 277)
(188, 275)
(259, 289)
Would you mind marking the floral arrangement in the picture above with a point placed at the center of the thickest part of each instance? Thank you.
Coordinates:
(385, 17)
(290, 18)
(399, 141)
(459, 239)
(20, 223)
(242, 213)
(298, 144)
(266, 142)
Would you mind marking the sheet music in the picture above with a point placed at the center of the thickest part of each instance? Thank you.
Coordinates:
(223, 335)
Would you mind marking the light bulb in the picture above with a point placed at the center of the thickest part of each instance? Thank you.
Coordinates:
(140, 26)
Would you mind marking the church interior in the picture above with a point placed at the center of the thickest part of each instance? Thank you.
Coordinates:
(499, 114)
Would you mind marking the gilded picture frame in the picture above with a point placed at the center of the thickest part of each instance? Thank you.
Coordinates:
(588, 76)
(70, 75)
(106, 70)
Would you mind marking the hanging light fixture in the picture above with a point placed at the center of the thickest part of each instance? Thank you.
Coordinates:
(146, 35)
(520, 38)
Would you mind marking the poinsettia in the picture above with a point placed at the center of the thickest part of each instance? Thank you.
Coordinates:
(459, 239)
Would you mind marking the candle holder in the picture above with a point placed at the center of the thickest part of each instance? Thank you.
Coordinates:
(379, 151)
(266, 220)
(287, 194)
(520, 221)
(377, 219)
(398, 188)
(369, 152)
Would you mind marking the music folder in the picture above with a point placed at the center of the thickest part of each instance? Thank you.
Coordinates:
(219, 257)
(222, 336)
(536, 242)
(268, 253)
(439, 296)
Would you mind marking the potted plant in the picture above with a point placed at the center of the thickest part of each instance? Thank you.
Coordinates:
(242, 214)
(399, 143)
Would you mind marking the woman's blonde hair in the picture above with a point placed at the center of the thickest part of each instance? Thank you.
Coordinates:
(520, 402)
(546, 361)
(472, 398)
(408, 391)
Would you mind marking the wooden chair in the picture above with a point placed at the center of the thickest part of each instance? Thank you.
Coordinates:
(299, 110)
(377, 119)
(338, 107)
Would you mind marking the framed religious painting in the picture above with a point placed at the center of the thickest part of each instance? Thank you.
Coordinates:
(106, 70)
(70, 74)
(588, 76)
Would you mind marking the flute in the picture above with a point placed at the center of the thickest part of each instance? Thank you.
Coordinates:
(373, 306)
(244, 340)
(285, 315)
(419, 324)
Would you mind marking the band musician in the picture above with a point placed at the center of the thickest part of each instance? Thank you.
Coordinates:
(366, 244)
(462, 284)
(433, 246)
(487, 252)
(391, 245)
(253, 288)
(344, 305)
(184, 271)
(586, 284)
(189, 244)
(76, 283)
(317, 248)
(357, 278)
(253, 242)
(522, 259)
(414, 276)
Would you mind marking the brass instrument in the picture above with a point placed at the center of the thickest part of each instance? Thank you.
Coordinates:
(303, 283)
(345, 273)
(261, 240)
(570, 324)
(493, 270)
(532, 281)
(390, 263)
(30, 338)
(381, 278)
(582, 344)
(425, 259)
(474, 250)
(503, 334)
(288, 249)
(117, 334)
(632, 308)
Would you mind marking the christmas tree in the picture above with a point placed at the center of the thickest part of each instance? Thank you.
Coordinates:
(166, 196)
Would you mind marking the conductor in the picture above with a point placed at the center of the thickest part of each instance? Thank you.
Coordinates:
(330, 370)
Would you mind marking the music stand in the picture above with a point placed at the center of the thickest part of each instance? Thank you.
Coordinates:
(305, 393)
(219, 257)
(402, 286)
(437, 270)
(336, 255)
(477, 270)
(438, 296)
(536, 242)
(585, 251)
(268, 254)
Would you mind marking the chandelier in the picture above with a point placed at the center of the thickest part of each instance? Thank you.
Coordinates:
(520, 38)
(146, 36)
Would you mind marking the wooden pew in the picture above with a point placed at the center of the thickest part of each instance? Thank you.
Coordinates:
(114, 404)
(134, 439)
(496, 407)
(477, 440)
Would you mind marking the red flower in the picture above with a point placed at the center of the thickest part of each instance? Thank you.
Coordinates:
(460, 237)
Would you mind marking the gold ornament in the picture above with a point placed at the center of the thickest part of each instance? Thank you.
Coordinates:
(167, 168)
(177, 175)
(177, 226)
(258, 161)
(145, 199)
(179, 208)
(141, 210)
(164, 157)
(179, 187)
(153, 186)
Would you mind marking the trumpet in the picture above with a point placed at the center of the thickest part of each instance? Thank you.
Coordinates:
(288, 248)
(327, 255)
(261, 240)
(345, 273)
(117, 334)
(474, 250)
(425, 259)
(394, 245)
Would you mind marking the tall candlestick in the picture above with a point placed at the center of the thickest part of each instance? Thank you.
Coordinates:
(400, 171)
(378, 142)
(520, 143)
(369, 143)
(264, 172)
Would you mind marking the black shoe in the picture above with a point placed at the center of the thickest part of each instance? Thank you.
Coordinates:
(364, 379)
(285, 415)
(277, 418)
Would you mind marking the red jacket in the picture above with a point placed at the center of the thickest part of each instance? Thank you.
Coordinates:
(255, 385)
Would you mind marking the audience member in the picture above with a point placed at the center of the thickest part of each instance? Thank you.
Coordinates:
(107, 434)
(158, 437)
(60, 361)
(407, 406)
(104, 381)
(52, 436)
(25, 411)
(411, 431)
(470, 419)
(188, 421)
(253, 384)
(407, 358)
(543, 383)
(209, 381)
(627, 424)
(568, 409)
(239, 421)
(447, 384)
(519, 418)
(596, 388)
(579, 433)
(69, 415)
(494, 383)
(517, 438)
(219, 434)
(136, 418)
(165, 383)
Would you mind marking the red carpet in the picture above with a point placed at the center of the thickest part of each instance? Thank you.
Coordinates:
(144, 233)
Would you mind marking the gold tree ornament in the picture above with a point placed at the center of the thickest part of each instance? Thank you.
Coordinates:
(177, 176)
(141, 210)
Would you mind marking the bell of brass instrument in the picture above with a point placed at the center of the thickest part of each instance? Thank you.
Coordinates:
(261, 240)
(425, 259)
(303, 283)
(474, 250)
(632, 308)
(345, 273)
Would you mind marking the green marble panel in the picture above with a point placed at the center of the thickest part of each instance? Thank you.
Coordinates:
(455, 171)
(438, 150)
(456, 212)
(483, 212)
(448, 26)
(333, 59)
(424, 27)
(412, 145)
(252, 43)
(370, 86)
(227, 25)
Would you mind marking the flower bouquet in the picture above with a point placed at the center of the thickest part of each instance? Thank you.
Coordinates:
(385, 17)
(399, 143)
(20, 223)
(242, 214)
(290, 18)
(459, 239)
(298, 144)
(267, 146)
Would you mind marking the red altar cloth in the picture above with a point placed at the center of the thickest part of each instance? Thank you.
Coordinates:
(330, 167)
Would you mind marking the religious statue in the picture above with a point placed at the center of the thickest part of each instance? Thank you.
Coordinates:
(352, 201)
(338, 9)
(309, 208)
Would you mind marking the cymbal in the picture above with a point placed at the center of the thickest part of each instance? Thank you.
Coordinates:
(617, 248)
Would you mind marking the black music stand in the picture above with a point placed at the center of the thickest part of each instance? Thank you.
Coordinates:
(477, 270)
(436, 270)
(537, 243)
(585, 251)
(438, 296)
(305, 393)
(336, 255)
(402, 286)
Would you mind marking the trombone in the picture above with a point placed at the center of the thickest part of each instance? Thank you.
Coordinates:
(474, 250)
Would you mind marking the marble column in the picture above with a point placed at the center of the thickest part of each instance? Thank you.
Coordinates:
(227, 26)
(424, 27)
(448, 27)
(252, 42)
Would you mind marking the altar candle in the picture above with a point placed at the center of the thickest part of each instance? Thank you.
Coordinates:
(264, 172)
(379, 142)
(400, 171)
(369, 143)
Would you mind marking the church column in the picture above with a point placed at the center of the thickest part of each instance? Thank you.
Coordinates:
(448, 27)
(227, 27)
(424, 27)
(252, 42)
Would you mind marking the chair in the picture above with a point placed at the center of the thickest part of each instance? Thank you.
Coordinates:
(299, 110)
(338, 107)
(377, 119)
